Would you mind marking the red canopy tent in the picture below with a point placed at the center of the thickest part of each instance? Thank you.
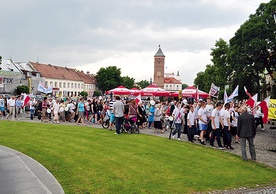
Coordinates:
(190, 92)
(154, 90)
(134, 91)
(120, 90)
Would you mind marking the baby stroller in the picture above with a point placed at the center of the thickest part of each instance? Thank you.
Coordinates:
(129, 125)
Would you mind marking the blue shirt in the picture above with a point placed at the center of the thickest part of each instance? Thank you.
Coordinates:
(81, 107)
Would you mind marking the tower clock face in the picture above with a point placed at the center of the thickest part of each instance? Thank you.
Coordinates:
(158, 73)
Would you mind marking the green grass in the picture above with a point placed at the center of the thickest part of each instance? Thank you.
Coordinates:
(90, 160)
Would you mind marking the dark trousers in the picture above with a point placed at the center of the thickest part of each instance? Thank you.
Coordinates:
(259, 121)
(177, 129)
(251, 147)
(215, 134)
(227, 137)
(208, 131)
(119, 121)
(191, 132)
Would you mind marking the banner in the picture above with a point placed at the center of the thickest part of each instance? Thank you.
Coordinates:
(272, 109)
(234, 94)
(42, 89)
(214, 91)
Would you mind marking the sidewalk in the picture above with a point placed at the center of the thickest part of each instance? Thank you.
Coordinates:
(21, 174)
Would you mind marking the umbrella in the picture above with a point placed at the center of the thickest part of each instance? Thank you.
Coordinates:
(190, 92)
(135, 91)
(154, 90)
(121, 90)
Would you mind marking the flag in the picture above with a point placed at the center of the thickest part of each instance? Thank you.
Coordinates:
(40, 87)
(225, 97)
(252, 101)
(264, 105)
(234, 94)
(26, 100)
(214, 91)
(197, 94)
(138, 99)
(248, 94)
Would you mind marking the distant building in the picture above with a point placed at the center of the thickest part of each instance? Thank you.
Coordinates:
(159, 67)
(167, 81)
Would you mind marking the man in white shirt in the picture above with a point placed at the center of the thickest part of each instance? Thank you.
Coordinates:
(191, 121)
(118, 109)
(227, 136)
(216, 120)
(209, 108)
(202, 121)
(11, 107)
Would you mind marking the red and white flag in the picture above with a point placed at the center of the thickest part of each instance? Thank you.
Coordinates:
(252, 101)
(248, 94)
(197, 94)
(26, 100)
(265, 105)
(138, 99)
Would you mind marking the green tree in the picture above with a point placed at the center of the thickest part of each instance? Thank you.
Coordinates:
(97, 93)
(22, 89)
(184, 86)
(128, 82)
(108, 78)
(252, 50)
(84, 94)
(143, 83)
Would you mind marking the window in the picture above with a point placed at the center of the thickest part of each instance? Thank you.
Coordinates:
(75, 85)
(64, 85)
(60, 84)
(51, 83)
(56, 84)
(72, 85)
(68, 85)
(46, 84)
(78, 85)
(37, 74)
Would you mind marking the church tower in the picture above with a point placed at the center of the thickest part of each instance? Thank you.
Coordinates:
(159, 68)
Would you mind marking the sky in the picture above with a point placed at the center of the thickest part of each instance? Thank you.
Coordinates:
(91, 34)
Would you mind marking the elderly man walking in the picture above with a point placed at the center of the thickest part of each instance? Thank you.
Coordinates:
(247, 131)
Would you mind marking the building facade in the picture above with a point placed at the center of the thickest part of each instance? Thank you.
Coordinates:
(159, 68)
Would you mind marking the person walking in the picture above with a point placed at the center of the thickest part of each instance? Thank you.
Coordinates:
(191, 121)
(11, 107)
(215, 122)
(178, 115)
(80, 112)
(202, 122)
(247, 131)
(118, 109)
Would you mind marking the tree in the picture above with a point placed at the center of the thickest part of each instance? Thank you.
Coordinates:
(97, 93)
(184, 86)
(143, 83)
(84, 94)
(22, 89)
(252, 50)
(109, 78)
(128, 82)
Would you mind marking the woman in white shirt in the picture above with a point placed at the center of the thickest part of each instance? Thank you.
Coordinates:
(178, 115)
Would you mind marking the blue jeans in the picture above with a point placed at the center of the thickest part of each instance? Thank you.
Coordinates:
(32, 113)
(118, 123)
(177, 129)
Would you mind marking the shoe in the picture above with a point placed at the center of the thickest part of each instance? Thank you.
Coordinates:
(221, 148)
(202, 143)
(263, 129)
(116, 133)
(236, 142)
(178, 139)
(173, 136)
(192, 141)
(231, 148)
(213, 147)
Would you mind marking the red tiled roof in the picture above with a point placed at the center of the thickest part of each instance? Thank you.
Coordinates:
(56, 72)
(88, 79)
(171, 80)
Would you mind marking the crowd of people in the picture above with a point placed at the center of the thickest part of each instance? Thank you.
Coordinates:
(202, 120)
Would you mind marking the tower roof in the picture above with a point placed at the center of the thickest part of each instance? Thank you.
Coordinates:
(159, 53)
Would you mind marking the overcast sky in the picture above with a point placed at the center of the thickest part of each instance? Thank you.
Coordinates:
(90, 34)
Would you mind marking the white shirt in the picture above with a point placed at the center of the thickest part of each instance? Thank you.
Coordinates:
(56, 107)
(226, 115)
(11, 102)
(235, 116)
(191, 117)
(178, 113)
(209, 108)
(216, 116)
(203, 113)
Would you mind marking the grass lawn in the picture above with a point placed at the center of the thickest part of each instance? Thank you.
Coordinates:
(90, 160)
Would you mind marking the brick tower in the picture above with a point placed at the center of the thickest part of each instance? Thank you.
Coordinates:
(159, 67)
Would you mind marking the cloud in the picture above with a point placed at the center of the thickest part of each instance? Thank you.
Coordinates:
(89, 34)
